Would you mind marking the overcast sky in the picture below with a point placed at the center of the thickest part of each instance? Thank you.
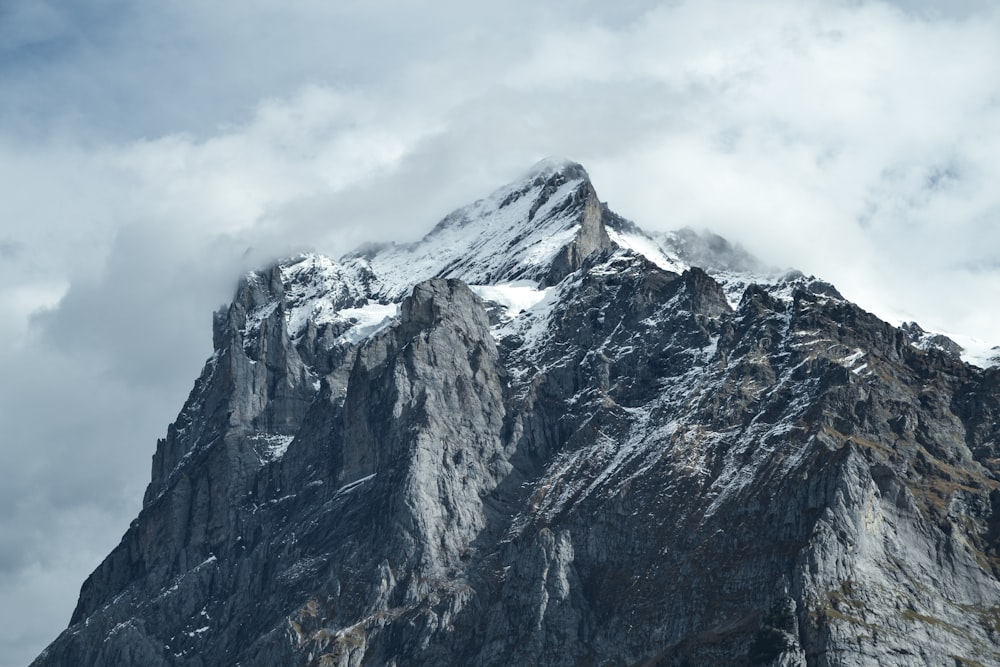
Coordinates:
(151, 152)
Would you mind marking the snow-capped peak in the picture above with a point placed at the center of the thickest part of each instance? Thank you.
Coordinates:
(534, 230)
(520, 239)
(549, 166)
(526, 230)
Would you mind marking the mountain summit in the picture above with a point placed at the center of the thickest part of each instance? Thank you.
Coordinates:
(543, 436)
(540, 228)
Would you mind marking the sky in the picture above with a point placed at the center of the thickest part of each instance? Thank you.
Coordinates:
(150, 153)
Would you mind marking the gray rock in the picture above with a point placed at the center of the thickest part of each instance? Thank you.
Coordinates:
(632, 473)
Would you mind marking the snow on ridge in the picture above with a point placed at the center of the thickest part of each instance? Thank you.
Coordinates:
(666, 250)
(979, 353)
(975, 351)
(488, 242)
(516, 297)
(314, 287)
(971, 350)
(548, 166)
(530, 324)
(661, 249)
(368, 320)
(272, 445)
(648, 248)
(513, 233)
(258, 315)
(502, 245)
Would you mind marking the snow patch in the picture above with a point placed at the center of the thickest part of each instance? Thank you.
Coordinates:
(271, 446)
(318, 289)
(514, 232)
(648, 248)
(532, 323)
(353, 486)
(852, 358)
(516, 297)
(368, 320)
(976, 351)
(257, 317)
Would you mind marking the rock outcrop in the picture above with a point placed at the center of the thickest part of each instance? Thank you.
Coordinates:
(540, 436)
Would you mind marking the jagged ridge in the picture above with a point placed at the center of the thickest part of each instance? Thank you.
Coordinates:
(565, 446)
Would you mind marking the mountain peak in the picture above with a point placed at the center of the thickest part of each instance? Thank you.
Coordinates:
(551, 166)
(539, 227)
(385, 464)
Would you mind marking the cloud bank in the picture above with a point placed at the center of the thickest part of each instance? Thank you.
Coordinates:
(150, 154)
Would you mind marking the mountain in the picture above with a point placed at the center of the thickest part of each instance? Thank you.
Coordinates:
(542, 436)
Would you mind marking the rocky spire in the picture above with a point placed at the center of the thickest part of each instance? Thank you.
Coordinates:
(539, 227)
(591, 234)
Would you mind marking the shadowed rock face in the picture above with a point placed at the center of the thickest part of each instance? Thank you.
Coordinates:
(591, 237)
(636, 470)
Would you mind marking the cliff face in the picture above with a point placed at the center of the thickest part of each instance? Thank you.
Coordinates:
(540, 436)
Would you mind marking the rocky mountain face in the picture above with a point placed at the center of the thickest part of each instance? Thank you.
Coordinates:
(540, 436)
